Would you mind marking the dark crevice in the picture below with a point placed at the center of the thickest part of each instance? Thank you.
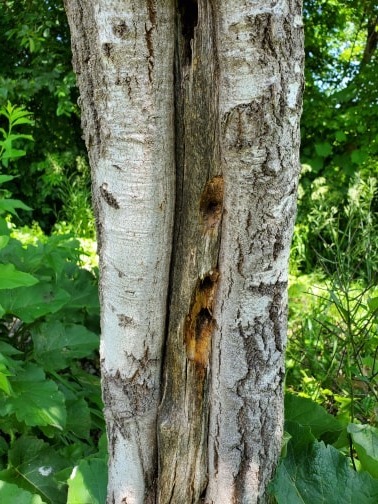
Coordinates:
(203, 321)
(188, 12)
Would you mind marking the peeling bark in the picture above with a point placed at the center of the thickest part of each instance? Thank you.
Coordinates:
(191, 118)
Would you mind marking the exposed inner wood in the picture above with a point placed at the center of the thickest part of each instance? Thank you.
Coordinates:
(183, 419)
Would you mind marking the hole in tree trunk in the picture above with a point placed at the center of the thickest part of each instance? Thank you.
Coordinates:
(211, 203)
(200, 324)
(188, 11)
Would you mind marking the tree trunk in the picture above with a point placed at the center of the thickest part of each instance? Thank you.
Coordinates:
(191, 118)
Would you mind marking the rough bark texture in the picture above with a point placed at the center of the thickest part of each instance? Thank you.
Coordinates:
(260, 59)
(183, 421)
(191, 115)
(123, 58)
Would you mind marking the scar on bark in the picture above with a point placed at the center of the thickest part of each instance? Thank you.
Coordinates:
(120, 28)
(124, 321)
(108, 196)
(211, 204)
(107, 49)
(151, 7)
(199, 323)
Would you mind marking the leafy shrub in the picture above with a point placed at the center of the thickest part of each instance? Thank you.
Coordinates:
(36, 70)
(333, 337)
(314, 468)
(50, 397)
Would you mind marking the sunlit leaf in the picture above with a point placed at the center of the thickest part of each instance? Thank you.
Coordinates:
(33, 466)
(33, 302)
(35, 400)
(10, 493)
(10, 278)
(308, 413)
(365, 442)
(320, 474)
(88, 482)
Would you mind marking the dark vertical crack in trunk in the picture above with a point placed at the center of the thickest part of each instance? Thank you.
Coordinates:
(184, 412)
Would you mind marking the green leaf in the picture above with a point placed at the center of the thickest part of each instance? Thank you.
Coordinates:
(5, 178)
(79, 418)
(3, 241)
(5, 385)
(56, 344)
(88, 483)
(323, 149)
(7, 349)
(373, 304)
(34, 464)
(12, 493)
(301, 436)
(83, 291)
(365, 441)
(11, 153)
(321, 475)
(10, 278)
(10, 205)
(36, 401)
(359, 156)
(23, 120)
(33, 302)
(308, 413)
(340, 136)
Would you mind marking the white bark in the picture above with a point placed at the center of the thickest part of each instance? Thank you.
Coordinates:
(123, 55)
(260, 59)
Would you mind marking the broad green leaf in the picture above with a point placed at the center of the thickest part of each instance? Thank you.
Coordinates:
(3, 241)
(15, 136)
(56, 344)
(340, 136)
(10, 205)
(373, 304)
(7, 349)
(83, 291)
(78, 418)
(36, 401)
(307, 412)
(33, 466)
(11, 153)
(8, 365)
(316, 163)
(90, 383)
(323, 149)
(359, 156)
(5, 385)
(365, 441)
(301, 436)
(23, 120)
(11, 278)
(321, 475)
(10, 493)
(88, 483)
(5, 178)
(33, 302)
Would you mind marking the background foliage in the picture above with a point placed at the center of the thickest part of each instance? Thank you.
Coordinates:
(36, 71)
(52, 443)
